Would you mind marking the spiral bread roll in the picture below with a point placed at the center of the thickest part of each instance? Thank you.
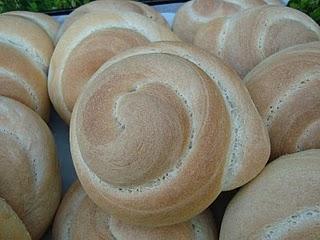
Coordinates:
(88, 43)
(122, 6)
(11, 227)
(246, 38)
(29, 174)
(155, 146)
(79, 218)
(194, 14)
(47, 23)
(285, 88)
(281, 203)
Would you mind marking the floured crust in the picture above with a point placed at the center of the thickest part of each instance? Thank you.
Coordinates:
(11, 227)
(29, 173)
(47, 23)
(85, 47)
(215, 140)
(194, 14)
(122, 6)
(28, 37)
(79, 218)
(252, 35)
(281, 203)
(285, 90)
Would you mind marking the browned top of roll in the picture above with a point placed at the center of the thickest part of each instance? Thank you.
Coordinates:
(281, 203)
(90, 42)
(11, 227)
(28, 37)
(285, 88)
(246, 38)
(47, 23)
(156, 145)
(29, 173)
(79, 218)
(122, 6)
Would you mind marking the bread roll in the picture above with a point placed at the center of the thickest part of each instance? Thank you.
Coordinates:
(78, 218)
(122, 6)
(194, 14)
(47, 23)
(88, 43)
(282, 203)
(22, 80)
(250, 36)
(11, 227)
(28, 37)
(285, 88)
(160, 131)
(29, 173)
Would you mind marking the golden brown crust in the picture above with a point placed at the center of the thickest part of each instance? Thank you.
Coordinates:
(29, 174)
(194, 14)
(285, 88)
(122, 6)
(47, 23)
(246, 38)
(85, 47)
(78, 218)
(281, 203)
(152, 152)
(28, 37)
(11, 227)
(21, 80)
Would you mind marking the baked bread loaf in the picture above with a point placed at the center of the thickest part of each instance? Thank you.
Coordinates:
(156, 145)
(22, 80)
(78, 218)
(89, 43)
(246, 38)
(194, 14)
(29, 174)
(47, 23)
(281, 203)
(285, 88)
(122, 6)
(28, 37)
(11, 227)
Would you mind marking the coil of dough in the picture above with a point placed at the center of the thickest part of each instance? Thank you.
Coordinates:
(122, 6)
(29, 174)
(22, 80)
(281, 203)
(246, 38)
(194, 14)
(90, 42)
(78, 218)
(28, 37)
(47, 23)
(156, 145)
(11, 227)
(285, 88)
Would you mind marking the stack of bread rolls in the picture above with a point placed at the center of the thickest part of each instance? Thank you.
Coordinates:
(159, 127)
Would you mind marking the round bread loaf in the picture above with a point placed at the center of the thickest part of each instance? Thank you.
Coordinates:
(28, 37)
(22, 80)
(78, 218)
(285, 88)
(11, 227)
(47, 23)
(156, 145)
(246, 38)
(89, 43)
(194, 14)
(29, 173)
(122, 6)
(281, 203)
